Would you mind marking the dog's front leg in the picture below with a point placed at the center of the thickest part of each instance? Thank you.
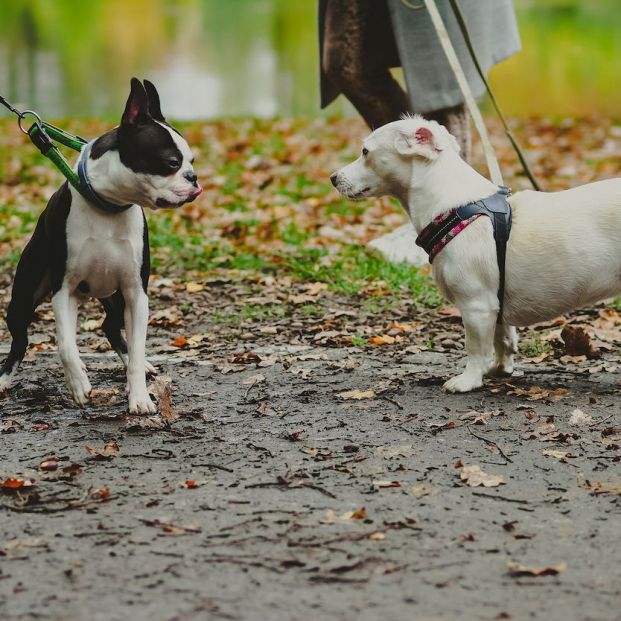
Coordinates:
(65, 307)
(479, 322)
(136, 319)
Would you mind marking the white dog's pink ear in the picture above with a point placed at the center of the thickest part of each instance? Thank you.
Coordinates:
(421, 142)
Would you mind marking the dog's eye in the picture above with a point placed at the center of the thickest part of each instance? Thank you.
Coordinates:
(365, 152)
(173, 163)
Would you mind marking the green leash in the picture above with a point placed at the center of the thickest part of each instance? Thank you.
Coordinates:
(43, 135)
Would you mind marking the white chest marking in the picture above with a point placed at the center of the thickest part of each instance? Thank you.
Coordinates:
(103, 250)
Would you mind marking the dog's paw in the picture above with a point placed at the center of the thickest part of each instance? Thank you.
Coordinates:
(462, 383)
(141, 403)
(79, 387)
(5, 382)
(500, 370)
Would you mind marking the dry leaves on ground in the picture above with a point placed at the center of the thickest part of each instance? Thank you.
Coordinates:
(109, 450)
(474, 476)
(357, 394)
(517, 570)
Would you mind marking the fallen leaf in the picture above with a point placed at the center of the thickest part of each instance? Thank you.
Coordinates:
(162, 391)
(179, 342)
(171, 529)
(49, 465)
(11, 484)
(474, 476)
(101, 493)
(579, 419)
(357, 394)
(423, 489)
(382, 340)
(91, 325)
(254, 379)
(190, 484)
(602, 488)
(109, 450)
(517, 570)
(331, 517)
(578, 342)
(561, 455)
(10, 425)
(383, 484)
(104, 396)
(193, 287)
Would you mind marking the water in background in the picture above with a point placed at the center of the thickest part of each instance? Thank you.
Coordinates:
(212, 58)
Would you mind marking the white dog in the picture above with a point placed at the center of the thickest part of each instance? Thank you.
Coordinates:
(564, 250)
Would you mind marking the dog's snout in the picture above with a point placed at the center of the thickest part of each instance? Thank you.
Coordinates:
(190, 175)
(334, 178)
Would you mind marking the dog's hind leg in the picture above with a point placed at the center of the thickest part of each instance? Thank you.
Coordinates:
(31, 285)
(479, 321)
(112, 325)
(505, 346)
(65, 306)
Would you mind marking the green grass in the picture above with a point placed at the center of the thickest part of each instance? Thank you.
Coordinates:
(534, 346)
(250, 226)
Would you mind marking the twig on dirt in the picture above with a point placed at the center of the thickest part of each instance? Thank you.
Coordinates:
(214, 466)
(491, 443)
(42, 505)
(155, 454)
(497, 497)
(600, 421)
(391, 400)
(283, 484)
(240, 561)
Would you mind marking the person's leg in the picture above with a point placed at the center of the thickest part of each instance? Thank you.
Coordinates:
(457, 121)
(359, 48)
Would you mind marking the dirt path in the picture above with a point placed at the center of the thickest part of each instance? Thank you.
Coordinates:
(275, 493)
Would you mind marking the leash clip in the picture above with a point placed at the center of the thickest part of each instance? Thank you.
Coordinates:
(22, 115)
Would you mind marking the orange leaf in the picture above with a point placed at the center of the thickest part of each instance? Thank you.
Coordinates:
(11, 484)
(190, 484)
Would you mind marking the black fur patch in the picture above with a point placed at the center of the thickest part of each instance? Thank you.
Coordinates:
(145, 148)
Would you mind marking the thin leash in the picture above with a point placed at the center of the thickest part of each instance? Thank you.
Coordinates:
(449, 50)
(43, 135)
(466, 34)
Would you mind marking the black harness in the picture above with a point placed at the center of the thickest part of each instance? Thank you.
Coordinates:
(497, 209)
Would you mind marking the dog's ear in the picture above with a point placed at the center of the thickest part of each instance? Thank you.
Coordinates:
(137, 106)
(421, 141)
(154, 101)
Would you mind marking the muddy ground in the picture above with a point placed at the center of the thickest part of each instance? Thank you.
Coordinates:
(301, 478)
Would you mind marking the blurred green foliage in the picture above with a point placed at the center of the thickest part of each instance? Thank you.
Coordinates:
(216, 58)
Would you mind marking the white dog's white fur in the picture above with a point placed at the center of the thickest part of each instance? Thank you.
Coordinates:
(564, 251)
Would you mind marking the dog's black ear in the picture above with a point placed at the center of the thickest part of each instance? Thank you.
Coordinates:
(154, 101)
(137, 106)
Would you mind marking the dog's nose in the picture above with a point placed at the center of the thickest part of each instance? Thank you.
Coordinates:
(190, 175)
(333, 179)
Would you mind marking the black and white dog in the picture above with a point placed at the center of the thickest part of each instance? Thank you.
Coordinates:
(100, 247)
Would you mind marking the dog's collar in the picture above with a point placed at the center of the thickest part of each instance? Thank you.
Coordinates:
(86, 189)
(445, 227)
